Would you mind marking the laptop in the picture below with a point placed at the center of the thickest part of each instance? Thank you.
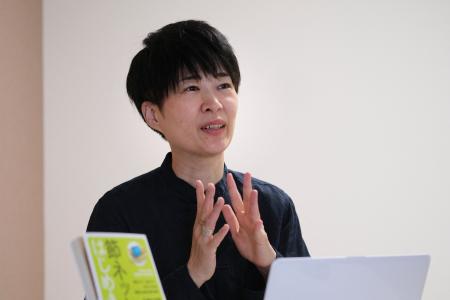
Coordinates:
(348, 278)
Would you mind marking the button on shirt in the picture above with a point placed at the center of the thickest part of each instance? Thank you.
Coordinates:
(163, 206)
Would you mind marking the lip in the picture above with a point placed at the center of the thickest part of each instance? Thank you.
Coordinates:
(214, 122)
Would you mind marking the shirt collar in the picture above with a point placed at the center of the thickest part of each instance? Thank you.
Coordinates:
(184, 188)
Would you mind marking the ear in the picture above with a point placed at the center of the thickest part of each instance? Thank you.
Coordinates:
(151, 114)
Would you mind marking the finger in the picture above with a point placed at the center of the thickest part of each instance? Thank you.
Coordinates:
(247, 189)
(200, 191)
(209, 201)
(236, 200)
(219, 236)
(230, 218)
(211, 220)
(253, 206)
(259, 225)
(260, 233)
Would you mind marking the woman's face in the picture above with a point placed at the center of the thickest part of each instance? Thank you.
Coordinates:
(198, 117)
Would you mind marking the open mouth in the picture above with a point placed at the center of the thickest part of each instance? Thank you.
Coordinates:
(213, 127)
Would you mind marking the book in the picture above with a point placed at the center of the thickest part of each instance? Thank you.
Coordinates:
(117, 266)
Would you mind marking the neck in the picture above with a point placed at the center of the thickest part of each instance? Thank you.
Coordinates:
(191, 168)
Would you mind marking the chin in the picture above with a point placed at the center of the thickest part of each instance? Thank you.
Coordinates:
(217, 148)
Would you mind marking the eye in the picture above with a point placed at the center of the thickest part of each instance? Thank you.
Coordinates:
(191, 88)
(225, 86)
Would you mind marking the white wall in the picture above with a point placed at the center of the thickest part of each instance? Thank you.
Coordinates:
(344, 104)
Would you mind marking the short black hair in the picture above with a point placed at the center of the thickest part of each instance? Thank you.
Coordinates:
(193, 46)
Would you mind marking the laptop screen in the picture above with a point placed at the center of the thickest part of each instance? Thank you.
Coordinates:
(348, 278)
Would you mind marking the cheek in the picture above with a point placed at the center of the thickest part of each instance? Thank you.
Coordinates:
(230, 101)
(232, 110)
(183, 121)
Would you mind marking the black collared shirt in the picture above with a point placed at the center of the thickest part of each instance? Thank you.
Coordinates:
(163, 206)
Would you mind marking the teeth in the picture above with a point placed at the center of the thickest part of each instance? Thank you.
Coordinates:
(214, 126)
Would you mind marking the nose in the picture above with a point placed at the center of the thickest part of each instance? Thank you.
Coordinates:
(211, 102)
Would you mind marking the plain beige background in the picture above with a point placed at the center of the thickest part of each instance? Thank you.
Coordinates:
(344, 104)
(21, 151)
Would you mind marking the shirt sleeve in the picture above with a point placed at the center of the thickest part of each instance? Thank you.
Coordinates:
(107, 217)
(179, 285)
(291, 240)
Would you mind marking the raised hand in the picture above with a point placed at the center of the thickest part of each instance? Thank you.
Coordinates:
(246, 226)
(202, 260)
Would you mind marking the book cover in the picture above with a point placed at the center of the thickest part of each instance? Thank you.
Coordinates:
(117, 266)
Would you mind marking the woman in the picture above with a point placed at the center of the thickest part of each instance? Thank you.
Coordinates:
(213, 232)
